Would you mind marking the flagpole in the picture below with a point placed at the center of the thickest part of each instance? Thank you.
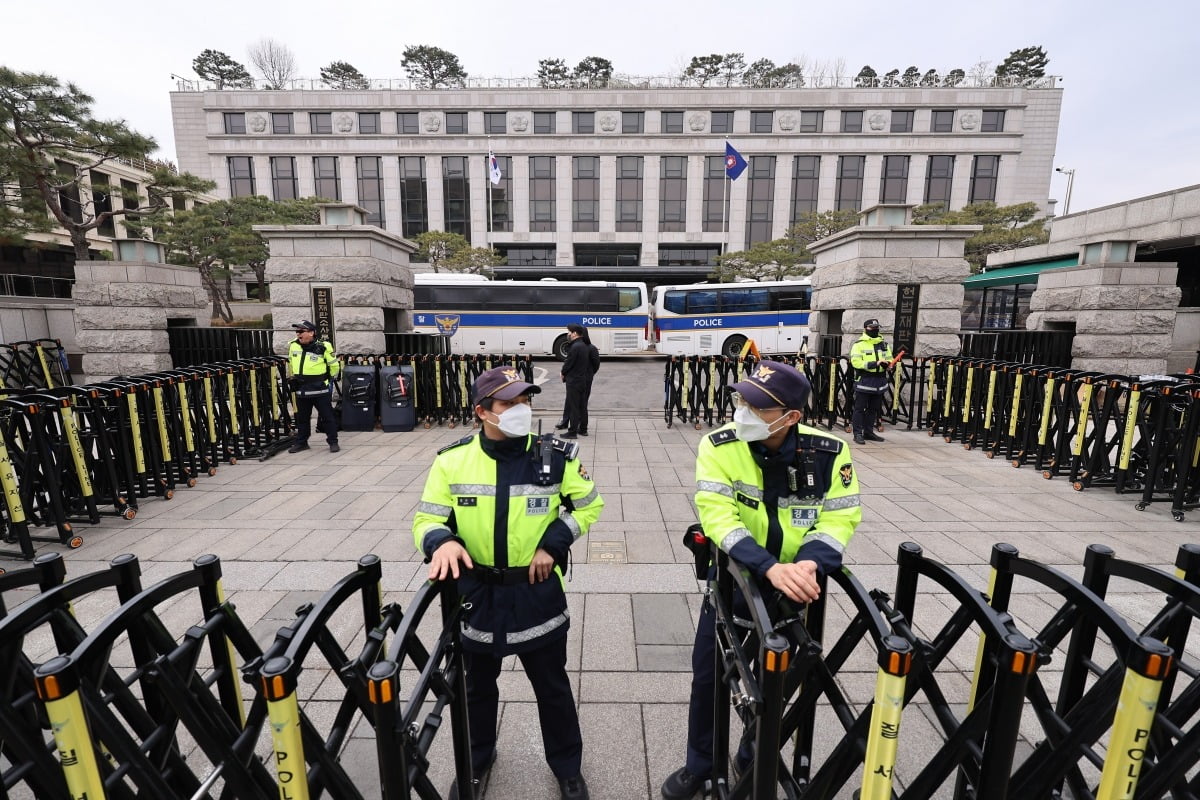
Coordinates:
(488, 179)
(725, 213)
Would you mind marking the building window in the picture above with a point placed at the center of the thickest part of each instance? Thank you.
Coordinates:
(939, 177)
(326, 180)
(806, 174)
(241, 176)
(528, 255)
(672, 193)
(235, 122)
(852, 121)
(688, 255)
(722, 122)
(633, 121)
(102, 203)
(902, 120)
(544, 122)
(320, 123)
(893, 185)
(541, 193)
(585, 193)
(812, 121)
(130, 196)
(407, 123)
(456, 122)
(456, 191)
(583, 122)
(414, 197)
(942, 121)
(500, 196)
(762, 121)
(993, 120)
(283, 178)
(495, 122)
(281, 122)
(850, 182)
(760, 200)
(370, 188)
(368, 122)
(984, 172)
(672, 122)
(716, 198)
(629, 193)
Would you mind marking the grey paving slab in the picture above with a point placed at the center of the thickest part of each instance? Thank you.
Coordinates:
(661, 619)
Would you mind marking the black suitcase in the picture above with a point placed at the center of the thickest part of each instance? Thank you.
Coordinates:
(396, 410)
(358, 398)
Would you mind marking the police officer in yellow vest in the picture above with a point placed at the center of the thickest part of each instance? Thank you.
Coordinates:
(870, 357)
(780, 498)
(499, 512)
(314, 367)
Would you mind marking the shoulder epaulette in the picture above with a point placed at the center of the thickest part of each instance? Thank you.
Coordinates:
(568, 449)
(719, 438)
(459, 443)
(827, 444)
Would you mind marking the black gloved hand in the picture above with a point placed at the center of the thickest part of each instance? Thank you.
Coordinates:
(293, 384)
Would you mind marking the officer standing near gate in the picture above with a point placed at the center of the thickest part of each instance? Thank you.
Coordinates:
(499, 513)
(870, 357)
(314, 367)
(781, 499)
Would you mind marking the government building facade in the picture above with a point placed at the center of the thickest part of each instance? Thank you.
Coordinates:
(620, 182)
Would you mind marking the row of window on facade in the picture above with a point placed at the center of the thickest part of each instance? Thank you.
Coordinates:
(102, 202)
(409, 123)
(585, 210)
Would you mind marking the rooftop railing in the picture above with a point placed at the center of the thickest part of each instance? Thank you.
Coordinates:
(631, 82)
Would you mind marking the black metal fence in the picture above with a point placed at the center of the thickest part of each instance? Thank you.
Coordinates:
(1048, 348)
(416, 344)
(193, 346)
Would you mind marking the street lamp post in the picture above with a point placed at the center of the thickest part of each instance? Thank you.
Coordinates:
(1070, 173)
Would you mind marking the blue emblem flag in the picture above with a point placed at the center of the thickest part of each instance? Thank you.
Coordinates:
(735, 165)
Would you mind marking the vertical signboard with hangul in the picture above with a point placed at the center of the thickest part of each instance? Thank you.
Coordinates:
(322, 309)
(908, 300)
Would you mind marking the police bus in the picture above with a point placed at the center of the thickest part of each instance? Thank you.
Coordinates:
(702, 319)
(530, 317)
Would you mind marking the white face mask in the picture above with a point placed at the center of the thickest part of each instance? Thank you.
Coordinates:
(516, 421)
(749, 427)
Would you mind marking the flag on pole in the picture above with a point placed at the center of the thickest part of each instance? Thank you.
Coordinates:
(735, 165)
(493, 169)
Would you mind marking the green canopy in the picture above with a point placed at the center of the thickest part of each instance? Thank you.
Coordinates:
(1021, 273)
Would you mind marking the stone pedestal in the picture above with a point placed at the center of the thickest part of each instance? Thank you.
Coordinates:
(1123, 314)
(364, 269)
(122, 309)
(858, 269)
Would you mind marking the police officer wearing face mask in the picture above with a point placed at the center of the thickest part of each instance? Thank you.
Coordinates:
(780, 498)
(870, 356)
(499, 513)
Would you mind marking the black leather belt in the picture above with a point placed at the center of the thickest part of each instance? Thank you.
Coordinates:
(495, 576)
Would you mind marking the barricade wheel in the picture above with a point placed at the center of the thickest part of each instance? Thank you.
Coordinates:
(212, 471)
(948, 439)
(129, 513)
(451, 424)
(1047, 474)
(233, 459)
(75, 543)
(168, 494)
(990, 454)
(696, 425)
(1016, 462)
(426, 425)
(191, 483)
(1077, 486)
(66, 526)
(968, 446)
(1178, 515)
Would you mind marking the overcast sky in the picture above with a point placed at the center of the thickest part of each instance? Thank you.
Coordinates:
(1130, 120)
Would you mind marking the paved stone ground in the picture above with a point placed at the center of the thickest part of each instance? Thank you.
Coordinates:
(289, 528)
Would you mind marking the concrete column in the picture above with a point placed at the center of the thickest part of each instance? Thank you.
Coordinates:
(857, 271)
(122, 309)
(366, 268)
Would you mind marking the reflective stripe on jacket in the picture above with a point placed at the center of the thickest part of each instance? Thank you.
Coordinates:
(310, 366)
(870, 356)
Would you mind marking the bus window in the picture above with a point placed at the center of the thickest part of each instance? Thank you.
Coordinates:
(702, 302)
(628, 299)
(792, 299)
(676, 302)
(462, 298)
(733, 300)
(601, 299)
(422, 297)
(509, 298)
(564, 298)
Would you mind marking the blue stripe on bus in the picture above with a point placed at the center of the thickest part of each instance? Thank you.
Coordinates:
(531, 319)
(732, 321)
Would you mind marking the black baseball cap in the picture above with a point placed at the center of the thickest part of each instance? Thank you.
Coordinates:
(871, 323)
(502, 383)
(304, 325)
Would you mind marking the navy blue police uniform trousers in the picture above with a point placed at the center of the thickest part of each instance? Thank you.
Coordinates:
(326, 422)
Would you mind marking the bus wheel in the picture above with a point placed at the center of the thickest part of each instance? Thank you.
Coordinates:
(733, 346)
(561, 345)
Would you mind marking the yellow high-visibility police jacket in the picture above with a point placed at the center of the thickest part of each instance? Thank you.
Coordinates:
(487, 495)
(869, 356)
(315, 364)
(761, 508)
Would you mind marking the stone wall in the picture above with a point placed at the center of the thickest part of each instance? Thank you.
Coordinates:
(366, 268)
(122, 309)
(1123, 313)
(858, 270)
